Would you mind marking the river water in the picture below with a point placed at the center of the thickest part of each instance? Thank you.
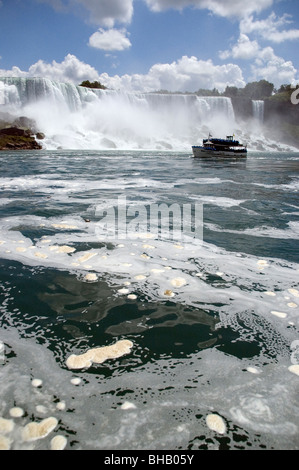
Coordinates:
(211, 312)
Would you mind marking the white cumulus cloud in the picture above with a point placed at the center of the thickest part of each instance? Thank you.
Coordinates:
(101, 12)
(13, 72)
(186, 74)
(108, 12)
(244, 49)
(275, 69)
(270, 28)
(265, 63)
(110, 40)
(227, 8)
(71, 69)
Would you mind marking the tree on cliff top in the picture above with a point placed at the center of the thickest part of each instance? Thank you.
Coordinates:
(253, 90)
(88, 84)
(259, 90)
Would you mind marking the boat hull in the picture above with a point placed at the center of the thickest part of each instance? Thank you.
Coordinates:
(202, 152)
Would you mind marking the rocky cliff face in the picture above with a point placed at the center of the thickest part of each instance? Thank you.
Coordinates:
(18, 134)
(281, 118)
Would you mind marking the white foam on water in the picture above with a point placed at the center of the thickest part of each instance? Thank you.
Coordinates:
(260, 397)
(135, 259)
(216, 423)
(220, 201)
(99, 355)
(190, 398)
(291, 232)
(293, 186)
(58, 443)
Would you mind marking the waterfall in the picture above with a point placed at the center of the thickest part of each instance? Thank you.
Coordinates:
(77, 117)
(258, 111)
(18, 92)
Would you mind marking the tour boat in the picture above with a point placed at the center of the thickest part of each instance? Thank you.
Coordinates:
(228, 147)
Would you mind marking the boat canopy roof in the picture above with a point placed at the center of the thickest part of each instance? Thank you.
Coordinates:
(228, 141)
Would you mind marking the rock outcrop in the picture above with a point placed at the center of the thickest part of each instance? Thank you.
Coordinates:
(19, 134)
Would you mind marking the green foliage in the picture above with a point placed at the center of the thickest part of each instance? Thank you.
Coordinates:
(232, 91)
(286, 89)
(88, 84)
(255, 90)
(259, 90)
(203, 92)
(281, 97)
(283, 94)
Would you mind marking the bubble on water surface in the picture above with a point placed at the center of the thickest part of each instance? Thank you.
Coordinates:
(36, 383)
(58, 443)
(5, 443)
(294, 292)
(34, 431)
(216, 423)
(294, 369)
(279, 314)
(16, 412)
(128, 406)
(38, 254)
(91, 277)
(6, 425)
(178, 282)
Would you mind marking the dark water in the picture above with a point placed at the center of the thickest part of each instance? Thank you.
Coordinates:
(213, 322)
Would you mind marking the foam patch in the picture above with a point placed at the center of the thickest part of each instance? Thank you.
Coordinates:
(216, 423)
(6, 425)
(58, 443)
(294, 369)
(99, 355)
(5, 443)
(34, 431)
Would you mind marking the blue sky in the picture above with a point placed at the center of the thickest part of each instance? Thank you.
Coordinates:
(148, 45)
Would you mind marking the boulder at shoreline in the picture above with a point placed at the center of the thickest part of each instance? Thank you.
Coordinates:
(18, 134)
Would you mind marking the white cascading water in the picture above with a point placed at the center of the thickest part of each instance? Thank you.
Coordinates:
(258, 110)
(75, 117)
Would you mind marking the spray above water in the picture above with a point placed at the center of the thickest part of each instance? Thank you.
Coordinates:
(74, 117)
